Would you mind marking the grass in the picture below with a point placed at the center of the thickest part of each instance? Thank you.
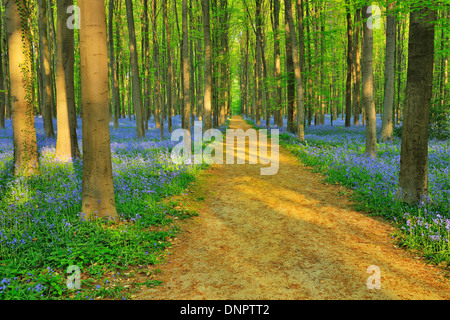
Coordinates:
(42, 233)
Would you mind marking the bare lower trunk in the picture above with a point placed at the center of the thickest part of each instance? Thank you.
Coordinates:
(136, 85)
(367, 84)
(357, 69)
(47, 83)
(297, 71)
(186, 70)
(413, 176)
(66, 140)
(112, 63)
(348, 92)
(208, 70)
(387, 128)
(169, 69)
(97, 182)
(24, 133)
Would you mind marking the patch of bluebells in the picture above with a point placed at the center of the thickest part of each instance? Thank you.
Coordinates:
(338, 152)
(40, 215)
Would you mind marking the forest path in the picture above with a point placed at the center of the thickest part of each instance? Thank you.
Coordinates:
(285, 236)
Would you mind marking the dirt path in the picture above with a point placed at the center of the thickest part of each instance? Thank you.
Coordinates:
(286, 236)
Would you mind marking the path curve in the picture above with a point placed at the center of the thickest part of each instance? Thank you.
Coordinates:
(284, 237)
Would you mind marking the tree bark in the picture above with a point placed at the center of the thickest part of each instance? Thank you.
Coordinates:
(290, 78)
(348, 91)
(2, 77)
(66, 140)
(277, 62)
(47, 85)
(136, 83)
(158, 97)
(258, 53)
(387, 128)
(208, 70)
(413, 176)
(146, 62)
(169, 69)
(367, 84)
(19, 48)
(186, 69)
(112, 63)
(297, 71)
(97, 181)
(357, 69)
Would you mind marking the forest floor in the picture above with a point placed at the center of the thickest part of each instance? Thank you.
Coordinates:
(283, 237)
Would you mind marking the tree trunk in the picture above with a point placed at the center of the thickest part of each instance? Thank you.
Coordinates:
(348, 92)
(310, 80)
(290, 79)
(157, 74)
(66, 140)
(367, 84)
(47, 85)
(97, 182)
(186, 69)
(387, 128)
(208, 70)
(146, 62)
(357, 69)
(169, 68)
(297, 71)
(258, 48)
(136, 83)
(19, 43)
(112, 63)
(2, 77)
(413, 176)
(277, 62)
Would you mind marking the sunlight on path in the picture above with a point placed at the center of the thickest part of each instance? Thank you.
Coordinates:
(286, 236)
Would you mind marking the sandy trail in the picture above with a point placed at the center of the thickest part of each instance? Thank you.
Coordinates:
(286, 236)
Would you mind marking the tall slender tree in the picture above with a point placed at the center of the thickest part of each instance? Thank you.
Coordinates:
(136, 83)
(66, 140)
(159, 114)
(113, 66)
(367, 84)
(413, 176)
(348, 90)
(47, 85)
(97, 181)
(169, 82)
(290, 74)
(357, 68)
(186, 69)
(20, 57)
(387, 128)
(297, 71)
(277, 62)
(208, 66)
(2, 77)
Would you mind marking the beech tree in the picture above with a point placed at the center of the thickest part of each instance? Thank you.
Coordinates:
(66, 140)
(387, 129)
(97, 182)
(186, 70)
(413, 176)
(21, 82)
(367, 84)
(297, 71)
(207, 124)
(47, 87)
(136, 82)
